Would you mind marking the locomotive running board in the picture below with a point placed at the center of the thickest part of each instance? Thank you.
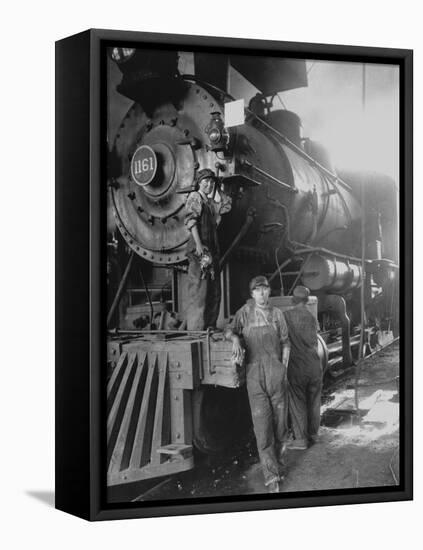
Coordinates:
(149, 418)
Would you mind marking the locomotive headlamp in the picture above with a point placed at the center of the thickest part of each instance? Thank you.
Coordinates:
(218, 135)
(120, 55)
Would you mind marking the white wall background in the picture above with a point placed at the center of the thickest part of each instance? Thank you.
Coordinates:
(28, 32)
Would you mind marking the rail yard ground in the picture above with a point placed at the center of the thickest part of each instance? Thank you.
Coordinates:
(353, 450)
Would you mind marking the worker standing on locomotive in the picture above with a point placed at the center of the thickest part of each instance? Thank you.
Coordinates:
(202, 217)
(304, 372)
(265, 335)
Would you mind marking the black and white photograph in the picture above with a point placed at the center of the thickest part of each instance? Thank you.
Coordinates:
(210, 237)
(253, 274)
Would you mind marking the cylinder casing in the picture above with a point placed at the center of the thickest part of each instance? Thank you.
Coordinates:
(333, 274)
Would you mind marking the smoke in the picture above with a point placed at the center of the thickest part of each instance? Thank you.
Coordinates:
(357, 136)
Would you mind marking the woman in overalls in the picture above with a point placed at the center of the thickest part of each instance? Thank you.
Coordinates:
(203, 215)
(265, 338)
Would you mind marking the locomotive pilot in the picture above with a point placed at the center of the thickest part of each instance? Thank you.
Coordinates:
(202, 217)
(264, 334)
(305, 371)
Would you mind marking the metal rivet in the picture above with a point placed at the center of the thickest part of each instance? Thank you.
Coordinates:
(178, 436)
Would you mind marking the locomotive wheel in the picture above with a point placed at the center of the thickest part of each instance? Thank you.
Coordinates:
(222, 419)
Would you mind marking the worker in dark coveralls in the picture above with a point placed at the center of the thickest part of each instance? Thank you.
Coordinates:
(202, 218)
(262, 330)
(304, 371)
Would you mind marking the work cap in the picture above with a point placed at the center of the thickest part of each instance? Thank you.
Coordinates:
(301, 292)
(260, 280)
(203, 174)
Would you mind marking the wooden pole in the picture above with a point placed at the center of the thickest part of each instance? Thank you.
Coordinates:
(363, 265)
(363, 235)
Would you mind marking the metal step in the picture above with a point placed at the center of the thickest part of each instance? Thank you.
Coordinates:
(175, 449)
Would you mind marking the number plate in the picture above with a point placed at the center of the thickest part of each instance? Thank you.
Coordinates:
(143, 165)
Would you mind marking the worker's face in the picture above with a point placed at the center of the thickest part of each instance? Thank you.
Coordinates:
(261, 295)
(206, 185)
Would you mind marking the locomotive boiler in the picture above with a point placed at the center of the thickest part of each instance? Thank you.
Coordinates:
(293, 218)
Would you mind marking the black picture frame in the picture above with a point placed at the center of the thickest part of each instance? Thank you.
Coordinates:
(80, 257)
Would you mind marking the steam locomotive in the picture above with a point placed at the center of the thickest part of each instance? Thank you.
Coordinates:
(293, 218)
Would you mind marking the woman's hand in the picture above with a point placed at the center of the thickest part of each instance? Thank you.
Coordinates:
(237, 350)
